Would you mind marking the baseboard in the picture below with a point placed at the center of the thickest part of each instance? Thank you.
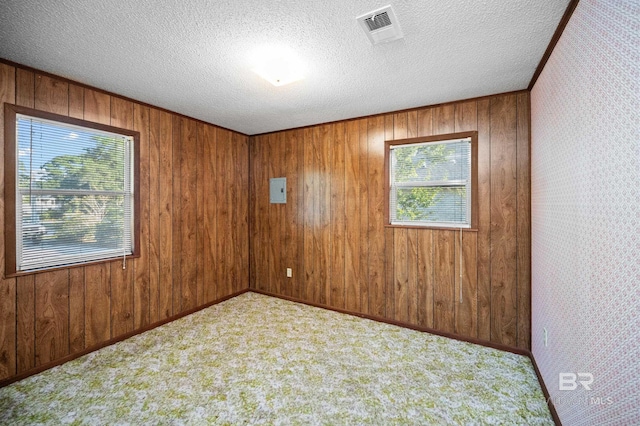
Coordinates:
(110, 342)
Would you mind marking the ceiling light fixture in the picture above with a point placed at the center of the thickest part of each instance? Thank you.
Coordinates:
(278, 66)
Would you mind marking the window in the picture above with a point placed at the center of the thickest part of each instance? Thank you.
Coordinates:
(70, 189)
(432, 181)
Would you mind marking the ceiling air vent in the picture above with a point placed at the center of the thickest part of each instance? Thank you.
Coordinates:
(381, 25)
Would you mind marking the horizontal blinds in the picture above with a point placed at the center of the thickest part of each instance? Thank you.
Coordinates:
(74, 195)
(431, 184)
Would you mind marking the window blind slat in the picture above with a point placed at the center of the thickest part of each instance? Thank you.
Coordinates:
(430, 183)
(74, 194)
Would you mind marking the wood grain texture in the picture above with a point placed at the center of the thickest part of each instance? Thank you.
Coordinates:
(363, 222)
(141, 276)
(353, 248)
(208, 136)
(503, 220)
(176, 225)
(425, 278)
(52, 316)
(25, 323)
(8, 308)
(76, 101)
(444, 280)
(25, 87)
(484, 220)
(51, 95)
(200, 183)
(375, 231)
(154, 215)
(338, 219)
(76, 310)
(188, 217)
(523, 213)
(121, 298)
(444, 119)
(165, 217)
(466, 291)
(97, 106)
(398, 273)
(97, 290)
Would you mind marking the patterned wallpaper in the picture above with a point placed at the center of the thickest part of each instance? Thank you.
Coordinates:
(586, 215)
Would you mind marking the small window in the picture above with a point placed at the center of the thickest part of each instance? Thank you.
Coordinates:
(432, 181)
(71, 191)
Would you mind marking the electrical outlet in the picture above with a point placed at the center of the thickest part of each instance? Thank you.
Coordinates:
(289, 273)
(546, 337)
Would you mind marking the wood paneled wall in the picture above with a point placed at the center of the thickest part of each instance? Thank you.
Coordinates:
(194, 210)
(331, 231)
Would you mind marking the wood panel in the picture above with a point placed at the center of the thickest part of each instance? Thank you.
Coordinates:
(165, 219)
(375, 231)
(51, 95)
(425, 278)
(412, 275)
(76, 310)
(52, 316)
(444, 280)
(46, 316)
(141, 277)
(76, 101)
(26, 323)
(97, 290)
(8, 308)
(154, 209)
(523, 205)
(353, 247)
(338, 219)
(97, 106)
(25, 87)
(503, 220)
(176, 225)
(484, 219)
(188, 201)
(210, 202)
(121, 297)
(466, 291)
(199, 213)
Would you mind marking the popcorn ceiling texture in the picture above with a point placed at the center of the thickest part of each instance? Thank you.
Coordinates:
(194, 56)
(586, 214)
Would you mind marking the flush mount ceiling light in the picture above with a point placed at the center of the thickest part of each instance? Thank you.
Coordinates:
(278, 66)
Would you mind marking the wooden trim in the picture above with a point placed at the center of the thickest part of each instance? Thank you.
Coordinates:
(545, 391)
(434, 228)
(10, 148)
(571, 7)
(10, 112)
(95, 89)
(428, 139)
(118, 339)
(419, 107)
(499, 346)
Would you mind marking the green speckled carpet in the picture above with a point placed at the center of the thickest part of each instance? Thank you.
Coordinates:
(260, 360)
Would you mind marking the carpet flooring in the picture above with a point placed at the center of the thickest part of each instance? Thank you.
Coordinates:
(256, 359)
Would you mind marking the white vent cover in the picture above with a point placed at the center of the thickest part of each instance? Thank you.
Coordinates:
(381, 25)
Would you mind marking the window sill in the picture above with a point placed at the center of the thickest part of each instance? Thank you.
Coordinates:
(71, 266)
(433, 228)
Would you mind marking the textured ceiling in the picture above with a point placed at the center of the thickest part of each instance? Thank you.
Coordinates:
(194, 56)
